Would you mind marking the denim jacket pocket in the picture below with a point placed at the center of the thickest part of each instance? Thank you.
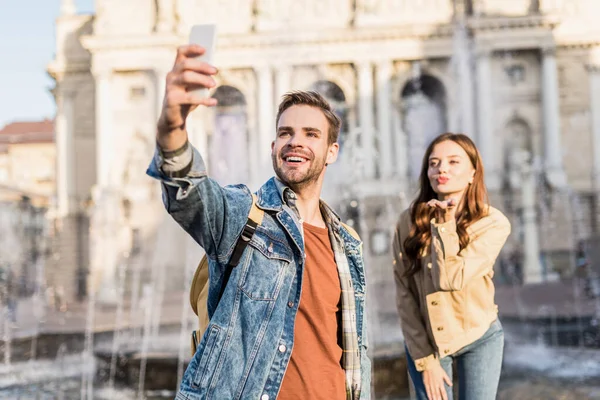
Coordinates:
(264, 266)
(208, 358)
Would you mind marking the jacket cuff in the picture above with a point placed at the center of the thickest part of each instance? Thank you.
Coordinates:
(443, 227)
(444, 239)
(427, 363)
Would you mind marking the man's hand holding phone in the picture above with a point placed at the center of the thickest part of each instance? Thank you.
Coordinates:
(186, 88)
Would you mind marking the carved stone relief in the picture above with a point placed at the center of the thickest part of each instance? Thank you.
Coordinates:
(114, 17)
(231, 16)
(283, 14)
(377, 12)
(503, 7)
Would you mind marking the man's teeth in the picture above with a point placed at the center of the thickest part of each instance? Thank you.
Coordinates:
(294, 159)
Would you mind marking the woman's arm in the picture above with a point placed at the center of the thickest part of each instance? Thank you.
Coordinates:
(413, 324)
(452, 269)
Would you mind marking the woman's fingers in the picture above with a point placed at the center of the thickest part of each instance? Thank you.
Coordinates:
(441, 204)
(433, 203)
(442, 390)
(429, 396)
(447, 379)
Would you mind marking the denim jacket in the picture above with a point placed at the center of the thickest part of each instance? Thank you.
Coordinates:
(246, 348)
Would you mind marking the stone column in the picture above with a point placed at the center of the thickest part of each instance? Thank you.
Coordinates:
(485, 118)
(466, 94)
(105, 195)
(196, 126)
(551, 114)
(65, 149)
(400, 146)
(365, 112)
(384, 118)
(594, 77)
(265, 122)
(532, 267)
(283, 83)
(104, 128)
(160, 76)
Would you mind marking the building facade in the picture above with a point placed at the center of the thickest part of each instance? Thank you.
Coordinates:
(521, 77)
(27, 161)
(27, 185)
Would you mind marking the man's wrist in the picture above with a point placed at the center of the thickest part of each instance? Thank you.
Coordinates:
(170, 134)
(170, 154)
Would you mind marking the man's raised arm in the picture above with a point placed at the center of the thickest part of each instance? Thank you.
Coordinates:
(201, 206)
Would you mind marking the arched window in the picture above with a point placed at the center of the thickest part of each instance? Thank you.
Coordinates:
(228, 142)
(335, 96)
(518, 141)
(423, 115)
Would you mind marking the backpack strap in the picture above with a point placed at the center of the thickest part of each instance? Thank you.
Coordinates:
(351, 230)
(254, 219)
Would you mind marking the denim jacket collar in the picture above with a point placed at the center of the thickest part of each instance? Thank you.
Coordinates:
(275, 194)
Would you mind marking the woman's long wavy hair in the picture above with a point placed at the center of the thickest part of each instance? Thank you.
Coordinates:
(473, 205)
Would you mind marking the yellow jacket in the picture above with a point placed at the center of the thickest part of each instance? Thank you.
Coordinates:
(449, 302)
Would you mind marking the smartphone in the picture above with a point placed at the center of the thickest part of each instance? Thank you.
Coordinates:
(205, 36)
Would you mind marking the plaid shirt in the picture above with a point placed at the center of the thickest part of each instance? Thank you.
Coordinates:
(350, 348)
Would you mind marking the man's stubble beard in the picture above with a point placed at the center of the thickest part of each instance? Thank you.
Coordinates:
(310, 177)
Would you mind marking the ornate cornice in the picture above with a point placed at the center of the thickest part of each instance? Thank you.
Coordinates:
(483, 23)
(96, 44)
(58, 69)
(578, 42)
(330, 45)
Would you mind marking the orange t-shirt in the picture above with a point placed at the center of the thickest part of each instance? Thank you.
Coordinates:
(314, 371)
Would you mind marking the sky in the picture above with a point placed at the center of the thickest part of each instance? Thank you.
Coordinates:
(27, 45)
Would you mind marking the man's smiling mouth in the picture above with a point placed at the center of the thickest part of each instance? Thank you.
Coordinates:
(295, 159)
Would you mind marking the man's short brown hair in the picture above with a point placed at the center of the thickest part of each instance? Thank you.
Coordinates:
(313, 99)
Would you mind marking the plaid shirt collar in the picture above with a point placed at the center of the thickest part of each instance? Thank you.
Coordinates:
(351, 351)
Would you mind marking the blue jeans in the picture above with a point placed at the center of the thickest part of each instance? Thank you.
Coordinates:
(478, 364)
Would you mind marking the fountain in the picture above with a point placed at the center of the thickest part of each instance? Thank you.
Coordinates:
(133, 328)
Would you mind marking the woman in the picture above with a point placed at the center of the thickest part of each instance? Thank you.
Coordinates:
(445, 247)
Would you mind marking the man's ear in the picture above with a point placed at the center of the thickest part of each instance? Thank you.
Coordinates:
(332, 153)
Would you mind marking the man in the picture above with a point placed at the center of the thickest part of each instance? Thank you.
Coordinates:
(290, 323)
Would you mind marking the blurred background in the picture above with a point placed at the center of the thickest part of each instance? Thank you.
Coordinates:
(94, 275)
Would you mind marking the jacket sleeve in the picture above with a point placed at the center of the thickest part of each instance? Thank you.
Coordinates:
(452, 269)
(407, 300)
(213, 215)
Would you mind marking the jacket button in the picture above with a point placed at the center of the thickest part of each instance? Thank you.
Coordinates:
(442, 229)
(282, 349)
(264, 397)
(446, 351)
(290, 304)
(434, 303)
(440, 328)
